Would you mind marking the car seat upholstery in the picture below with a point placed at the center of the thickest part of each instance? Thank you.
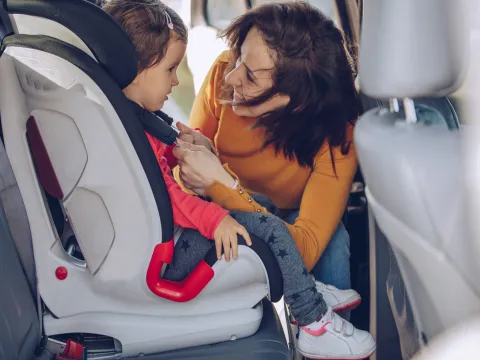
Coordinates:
(89, 179)
(19, 329)
(413, 167)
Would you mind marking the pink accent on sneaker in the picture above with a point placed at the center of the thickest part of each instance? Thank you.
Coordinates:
(362, 358)
(347, 307)
(317, 332)
(339, 310)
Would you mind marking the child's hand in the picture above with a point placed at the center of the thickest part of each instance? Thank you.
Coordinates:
(226, 235)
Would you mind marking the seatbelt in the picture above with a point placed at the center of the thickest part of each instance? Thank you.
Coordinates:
(157, 124)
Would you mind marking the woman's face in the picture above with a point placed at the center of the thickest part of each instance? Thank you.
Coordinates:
(252, 75)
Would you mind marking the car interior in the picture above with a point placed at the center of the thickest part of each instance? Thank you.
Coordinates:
(83, 245)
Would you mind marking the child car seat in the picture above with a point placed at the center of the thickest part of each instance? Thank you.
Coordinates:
(98, 209)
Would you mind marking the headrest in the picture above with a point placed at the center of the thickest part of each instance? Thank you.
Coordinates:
(412, 48)
(104, 37)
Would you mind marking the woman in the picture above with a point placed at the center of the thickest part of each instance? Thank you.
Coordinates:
(279, 109)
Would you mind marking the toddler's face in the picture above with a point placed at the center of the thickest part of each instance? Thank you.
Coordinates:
(151, 87)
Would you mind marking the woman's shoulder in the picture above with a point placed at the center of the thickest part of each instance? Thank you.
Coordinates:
(212, 87)
(217, 72)
(223, 58)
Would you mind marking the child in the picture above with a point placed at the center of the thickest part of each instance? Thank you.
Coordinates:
(160, 38)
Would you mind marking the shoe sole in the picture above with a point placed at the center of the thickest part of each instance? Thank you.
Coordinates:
(349, 306)
(353, 357)
(340, 309)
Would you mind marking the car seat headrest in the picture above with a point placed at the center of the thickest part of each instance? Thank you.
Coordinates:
(99, 34)
(412, 48)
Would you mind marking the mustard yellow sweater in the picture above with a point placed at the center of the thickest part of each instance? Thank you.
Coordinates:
(320, 195)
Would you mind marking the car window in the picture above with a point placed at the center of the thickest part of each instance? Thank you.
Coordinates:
(220, 13)
(326, 6)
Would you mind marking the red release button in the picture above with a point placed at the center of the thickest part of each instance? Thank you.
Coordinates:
(61, 273)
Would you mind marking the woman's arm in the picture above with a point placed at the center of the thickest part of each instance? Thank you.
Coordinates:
(323, 204)
(321, 209)
(323, 201)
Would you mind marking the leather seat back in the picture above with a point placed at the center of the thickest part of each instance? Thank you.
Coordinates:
(413, 170)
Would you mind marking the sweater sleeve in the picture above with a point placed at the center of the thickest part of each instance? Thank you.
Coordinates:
(322, 205)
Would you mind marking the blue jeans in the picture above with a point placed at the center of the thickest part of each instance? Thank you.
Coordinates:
(333, 268)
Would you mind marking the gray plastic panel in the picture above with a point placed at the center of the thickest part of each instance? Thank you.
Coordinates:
(415, 189)
(396, 331)
(19, 328)
(267, 344)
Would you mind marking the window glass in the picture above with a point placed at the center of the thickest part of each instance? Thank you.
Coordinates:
(220, 13)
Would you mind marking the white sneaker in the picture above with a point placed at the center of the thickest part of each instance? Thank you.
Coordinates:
(340, 300)
(334, 338)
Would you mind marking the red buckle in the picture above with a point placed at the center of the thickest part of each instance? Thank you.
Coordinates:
(181, 291)
(72, 351)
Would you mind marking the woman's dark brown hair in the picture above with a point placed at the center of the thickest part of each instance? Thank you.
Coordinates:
(312, 67)
(145, 22)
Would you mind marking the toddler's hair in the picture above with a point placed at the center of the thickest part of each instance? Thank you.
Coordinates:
(148, 23)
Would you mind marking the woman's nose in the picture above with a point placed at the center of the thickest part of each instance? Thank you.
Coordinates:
(233, 78)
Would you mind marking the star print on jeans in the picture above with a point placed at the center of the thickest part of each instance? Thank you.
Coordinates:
(295, 297)
(305, 272)
(318, 302)
(185, 245)
(263, 219)
(271, 239)
(282, 253)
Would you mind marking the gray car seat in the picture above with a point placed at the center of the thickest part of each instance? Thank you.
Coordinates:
(392, 316)
(20, 328)
(412, 162)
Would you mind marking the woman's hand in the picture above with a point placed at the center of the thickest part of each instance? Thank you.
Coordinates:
(195, 137)
(226, 235)
(199, 167)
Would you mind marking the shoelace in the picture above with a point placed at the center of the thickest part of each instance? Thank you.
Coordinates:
(340, 325)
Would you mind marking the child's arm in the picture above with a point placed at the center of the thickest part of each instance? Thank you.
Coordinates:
(190, 211)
